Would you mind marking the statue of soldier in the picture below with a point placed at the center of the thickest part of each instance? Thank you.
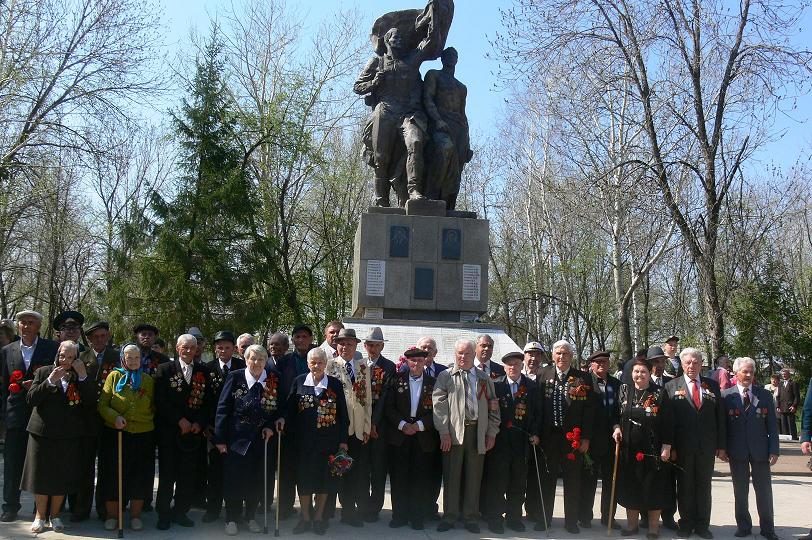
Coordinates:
(444, 99)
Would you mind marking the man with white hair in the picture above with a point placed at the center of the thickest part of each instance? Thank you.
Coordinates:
(243, 342)
(752, 446)
(20, 359)
(183, 397)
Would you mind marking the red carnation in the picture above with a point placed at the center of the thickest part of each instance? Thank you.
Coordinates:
(576, 431)
(576, 445)
(16, 375)
(571, 456)
(14, 388)
(639, 456)
(570, 436)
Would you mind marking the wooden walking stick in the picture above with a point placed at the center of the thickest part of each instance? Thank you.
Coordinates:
(614, 485)
(265, 490)
(278, 474)
(541, 495)
(120, 486)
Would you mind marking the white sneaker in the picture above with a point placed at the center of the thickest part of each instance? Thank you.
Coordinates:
(136, 524)
(38, 526)
(254, 527)
(111, 524)
(231, 528)
(57, 525)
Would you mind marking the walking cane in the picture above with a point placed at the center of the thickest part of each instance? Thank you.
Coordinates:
(265, 491)
(541, 495)
(120, 487)
(278, 474)
(614, 485)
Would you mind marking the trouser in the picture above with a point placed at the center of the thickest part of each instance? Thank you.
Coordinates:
(463, 460)
(214, 485)
(668, 511)
(202, 477)
(287, 476)
(693, 490)
(13, 460)
(506, 473)
(178, 469)
(354, 490)
(532, 501)
(234, 509)
(409, 477)
(602, 468)
(741, 471)
(435, 482)
(787, 424)
(379, 468)
(571, 473)
(81, 502)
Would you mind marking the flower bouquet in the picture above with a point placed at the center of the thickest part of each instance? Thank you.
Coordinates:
(574, 439)
(339, 463)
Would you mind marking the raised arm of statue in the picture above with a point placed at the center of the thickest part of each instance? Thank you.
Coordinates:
(434, 21)
(369, 78)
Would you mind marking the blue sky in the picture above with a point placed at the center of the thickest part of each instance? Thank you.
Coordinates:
(470, 33)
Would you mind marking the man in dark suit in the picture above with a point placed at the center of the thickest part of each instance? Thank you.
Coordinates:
(433, 369)
(183, 408)
(412, 440)
(383, 370)
(752, 447)
(506, 463)
(788, 400)
(484, 351)
(224, 362)
(607, 416)
(694, 426)
(534, 358)
(20, 359)
(568, 402)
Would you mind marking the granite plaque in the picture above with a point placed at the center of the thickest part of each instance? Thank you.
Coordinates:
(376, 277)
(452, 244)
(471, 282)
(424, 284)
(398, 241)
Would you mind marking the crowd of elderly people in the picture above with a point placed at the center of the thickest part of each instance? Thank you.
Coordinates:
(496, 436)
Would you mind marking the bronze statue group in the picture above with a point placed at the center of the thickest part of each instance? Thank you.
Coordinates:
(252, 426)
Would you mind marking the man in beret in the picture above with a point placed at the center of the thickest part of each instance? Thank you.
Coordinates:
(224, 362)
(20, 359)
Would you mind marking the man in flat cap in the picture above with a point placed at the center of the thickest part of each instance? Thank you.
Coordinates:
(382, 372)
(412, 439)
(506, 463)
(224, 362)
(607, 415)
(20, 359)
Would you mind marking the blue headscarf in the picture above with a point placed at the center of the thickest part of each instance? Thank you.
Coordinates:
(131, 377)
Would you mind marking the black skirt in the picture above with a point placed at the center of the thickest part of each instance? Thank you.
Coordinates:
(313, 474)
(138, 462)
(51, 465)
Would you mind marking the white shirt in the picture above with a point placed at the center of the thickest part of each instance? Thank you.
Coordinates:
(415, 389)
(529, 375)
(510, 384)
(558, 374)
(317, 388)
(484, 366)
(689, 382)
(28, 352)
(753, 398)
(657, 380)
(251, 381)
(224, 365)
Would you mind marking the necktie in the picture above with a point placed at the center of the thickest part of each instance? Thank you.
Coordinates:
(513, 389)
(187, 373)
(695, 394)
(746, 398)
(470, 404)
(430, 370)
(225, 369)
(350, 372)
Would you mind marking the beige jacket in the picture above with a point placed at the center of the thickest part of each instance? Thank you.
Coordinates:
(359, 403)
(449, 406)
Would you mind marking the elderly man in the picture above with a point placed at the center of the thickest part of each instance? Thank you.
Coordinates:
(693, 425)
(533, 359)
(484, 352)
(278, 347)
(435, 482)
(752, 447)
(329, 344)
(431, 368)
(20, 359)
(787, 404)
(183, 396)
(243, 342)
(466, 414)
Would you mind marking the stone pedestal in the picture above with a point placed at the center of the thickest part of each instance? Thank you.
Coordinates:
(420, 267)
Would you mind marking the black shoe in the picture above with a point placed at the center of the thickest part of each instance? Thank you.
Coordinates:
(208, 517)
(397, 523)
(147, 507)
(769, 535)
(434, 516)
(683, 533)
(572, 529)
(8, 517)
(670, 524)
(320, 527)
(630, 532)
(352, 521)
(302, 527)
(706, 534)
(540, 526)
(371, 517)
(444, 526)
(585, 524)
(472, 527)
(741, 533)
(163, 524)
(652, 536)
(495, 526)
(417, 525)
(183, 520)
(78, 518)
(515, 525)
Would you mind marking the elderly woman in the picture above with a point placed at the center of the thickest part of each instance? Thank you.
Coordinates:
(58, 394)
(642, 478)
(317, 413)
(126, 405)
(248, 408)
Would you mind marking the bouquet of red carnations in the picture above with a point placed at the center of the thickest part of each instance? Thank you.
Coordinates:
(340, 463)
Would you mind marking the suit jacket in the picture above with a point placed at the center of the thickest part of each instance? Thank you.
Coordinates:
(497, 370)
(520, 415)
(98, 372)
(579, 403)
(356, 394)
(690, 430)
(606, 416)
(383, 372)
(398, 408)
(60, 414)
(152, 361)
(449, 406)
(176, 399)
(288, 370)
(806, 417)
(18, 411)
(665, 378)
(217, 378)
(437, 369)
(752, 434)
(242, 413)
(788, 396)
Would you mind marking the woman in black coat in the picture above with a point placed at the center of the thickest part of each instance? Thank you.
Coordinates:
(60, 395)
(317, 414)
(249, 405)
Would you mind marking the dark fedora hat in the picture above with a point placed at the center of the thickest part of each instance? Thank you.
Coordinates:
(145, 326)
(655, 353)
(98, 325)
(66, 316)
(347, 333)
(597, 354)
(224, 335)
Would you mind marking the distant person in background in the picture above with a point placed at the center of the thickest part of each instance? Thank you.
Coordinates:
(331, 330)
(7, 332)
(673, 366)
(787, 404)
(722, 373)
